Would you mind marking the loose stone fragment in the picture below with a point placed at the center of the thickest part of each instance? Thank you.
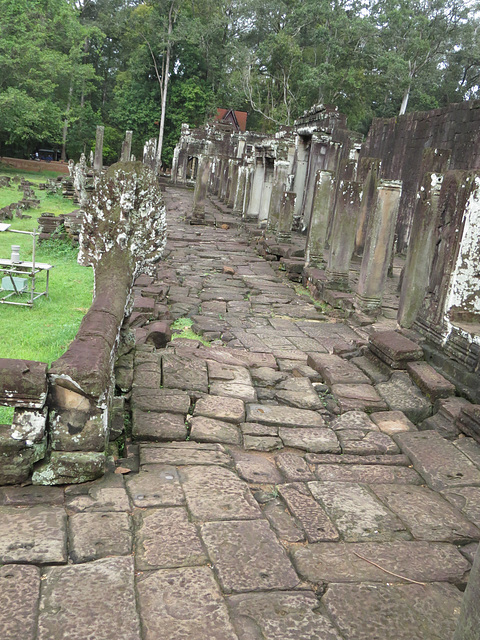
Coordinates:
(356, 513)
(220, 408)
(215, 493)
(394, 612)
(427, 515)
(248, 556)
(314, 440)
(19, 594)
(285, 615)
(93, 600)
(155, 486)
(370, 474)
(336, 370)
(98, 535)
(429, 381)
(394, 348)
(338, 562)
(33, 535)
(165, 538)
(188, 453)
(183, 603)
(438, 461)
(310, 514)
(283, 416)
(209, 430)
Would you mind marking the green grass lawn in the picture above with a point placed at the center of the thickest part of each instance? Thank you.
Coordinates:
(43, 332)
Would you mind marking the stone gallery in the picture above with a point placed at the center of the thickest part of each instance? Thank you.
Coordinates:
(268, 425)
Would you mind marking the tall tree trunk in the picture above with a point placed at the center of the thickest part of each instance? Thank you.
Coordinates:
(63, 157)
(85, 51)
(406, 96)
(164, 87)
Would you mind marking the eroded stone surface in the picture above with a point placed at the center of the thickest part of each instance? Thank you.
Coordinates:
(314, 520)
(19, 594)
(189, 453)
(209, 430)
(155, 486)
(220, 408)
(283, 416)
(367, 473)
(313, 440)
(98, 535)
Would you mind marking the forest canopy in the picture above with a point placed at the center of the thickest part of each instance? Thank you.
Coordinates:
(69, 65)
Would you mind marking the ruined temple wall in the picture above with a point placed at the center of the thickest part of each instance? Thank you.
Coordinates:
(406, 147)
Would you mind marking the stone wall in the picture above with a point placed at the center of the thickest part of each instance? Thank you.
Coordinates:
(34, 165)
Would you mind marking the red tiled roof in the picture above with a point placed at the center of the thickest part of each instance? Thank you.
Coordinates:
(239, 116)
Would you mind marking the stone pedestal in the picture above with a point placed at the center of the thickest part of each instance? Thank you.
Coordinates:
(98, 161)
(266, 193)
(279, 186)
(370, 167)
(126, 147)
(378, 246)
(285, 221)
(342, 240)
(420, 251)
(201, 186)
(239, 196)
(255, 199)
(322, 206)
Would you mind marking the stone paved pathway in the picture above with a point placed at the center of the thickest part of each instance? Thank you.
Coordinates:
(279, 490)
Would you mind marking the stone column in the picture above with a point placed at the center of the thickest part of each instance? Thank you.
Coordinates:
(201, 186)
(126, 147)
(279, 186)
(239, 197)
(98, 162)
(266, 193)
(285, 221)
(420, 251)
(300, 174)
(378, 245)
(322, 206)
(256, 190)
(342, 239)
(232, 191)
(370, 167)
(222, 193)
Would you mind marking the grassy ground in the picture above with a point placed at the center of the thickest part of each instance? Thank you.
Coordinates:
(43, 332)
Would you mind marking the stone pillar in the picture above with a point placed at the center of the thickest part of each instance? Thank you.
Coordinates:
(279, 186)
(285, 221)
(303, 146)
(255, 198)
(126, 147)
(322, 206)
(420, 251)
(370, 167)
(222, 193)
(266, 193)
(239, 197)
(469, 622)
(342, 239)
(378, 245)
(232, 191)
(98, 161)
(201, 186)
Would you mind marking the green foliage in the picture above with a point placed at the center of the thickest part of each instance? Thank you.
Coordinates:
(182, 328)
(6, 415)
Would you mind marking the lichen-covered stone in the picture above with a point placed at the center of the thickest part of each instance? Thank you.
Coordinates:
(70, 468)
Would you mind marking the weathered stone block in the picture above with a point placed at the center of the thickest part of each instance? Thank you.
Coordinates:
(394, 348)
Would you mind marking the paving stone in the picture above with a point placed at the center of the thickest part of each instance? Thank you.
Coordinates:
(257, 468)
(257, 429)
(33, 535)
(339, 562)
(429, 381)
(313, 440)
(215, 493)
(92, 600)
(383, 459)
(470, 448)
(228, 373)
(283, 416)
(282, 522)
(427, 515)
(165, 538)
(356, 441)
(402, 395)
(158, 427)
(245, 392)
(438, 461)
(374, 368)
(220, 408)
(294, 467)
(369, 474)
(466, 500)
(209, 430)
(391, 422)
(298, 392)
(241, 356)
(353, 420)
(394, 612)
(98, 535)
(160, 400)
(156, 485)
(248, 556)
(312, 517)
(262, 443)
(336, 370)
(285, 615)
(267, 377)
(183, 603)
(358, 397)
(99, 498)
(394, 348)
(30, 496)
(190, 453)
(469, 551)
(357, 514)
(184, 373)
(19, 594)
